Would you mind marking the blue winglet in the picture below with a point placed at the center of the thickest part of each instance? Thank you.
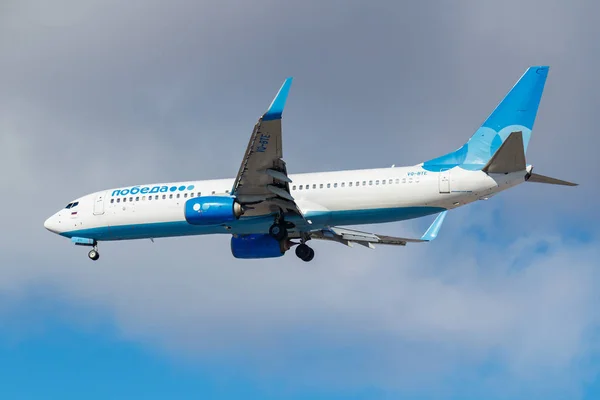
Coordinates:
(433, 230)
(276, 108)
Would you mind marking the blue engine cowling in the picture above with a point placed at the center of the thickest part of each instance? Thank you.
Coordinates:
(255, 246)
(212, 210)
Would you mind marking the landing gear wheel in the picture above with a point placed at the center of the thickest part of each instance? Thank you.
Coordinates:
(278, 232)
(311, 255)
(304, 252)
(93, 255)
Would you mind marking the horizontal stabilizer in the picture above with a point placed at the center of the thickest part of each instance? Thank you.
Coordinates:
(434, 229)
(510, 157)
(546, 179)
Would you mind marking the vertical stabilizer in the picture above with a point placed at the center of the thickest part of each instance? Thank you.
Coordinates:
(515, 113)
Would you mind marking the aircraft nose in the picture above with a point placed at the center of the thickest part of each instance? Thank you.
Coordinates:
(51, 224)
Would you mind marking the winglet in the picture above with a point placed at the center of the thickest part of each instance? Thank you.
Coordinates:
(433, 230)
(277, 105)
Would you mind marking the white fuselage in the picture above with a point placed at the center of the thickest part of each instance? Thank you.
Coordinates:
(325, 199)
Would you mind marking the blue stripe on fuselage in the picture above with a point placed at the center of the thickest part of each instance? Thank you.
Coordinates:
(319, 220)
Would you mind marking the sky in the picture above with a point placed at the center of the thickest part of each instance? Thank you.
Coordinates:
(101, 94)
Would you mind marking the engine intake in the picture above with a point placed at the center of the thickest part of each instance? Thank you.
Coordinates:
(255, 246)
(212, 210)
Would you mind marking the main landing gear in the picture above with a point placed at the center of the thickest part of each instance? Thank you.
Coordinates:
(279, 231)
(304, 252)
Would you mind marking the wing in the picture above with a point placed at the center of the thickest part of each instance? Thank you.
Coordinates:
(262, 183)
(349, 236)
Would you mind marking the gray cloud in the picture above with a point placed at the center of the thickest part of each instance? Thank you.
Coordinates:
(99, 95)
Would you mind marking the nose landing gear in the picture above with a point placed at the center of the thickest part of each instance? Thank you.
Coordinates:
(93, 254)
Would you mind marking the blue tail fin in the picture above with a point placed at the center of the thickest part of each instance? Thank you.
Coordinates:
(515, 113)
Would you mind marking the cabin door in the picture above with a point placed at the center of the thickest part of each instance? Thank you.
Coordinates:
(444, 181)
(99, 203)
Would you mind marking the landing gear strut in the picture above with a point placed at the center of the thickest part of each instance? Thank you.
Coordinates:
(304, 252)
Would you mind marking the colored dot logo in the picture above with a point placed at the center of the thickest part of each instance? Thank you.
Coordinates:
(196, 207)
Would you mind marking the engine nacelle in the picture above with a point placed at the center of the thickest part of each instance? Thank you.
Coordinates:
(212, 210)
(255, 246)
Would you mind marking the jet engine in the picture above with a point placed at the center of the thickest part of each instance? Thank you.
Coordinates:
(256, 246)
(212, 210)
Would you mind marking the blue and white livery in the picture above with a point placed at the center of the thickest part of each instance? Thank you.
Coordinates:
(267, 211)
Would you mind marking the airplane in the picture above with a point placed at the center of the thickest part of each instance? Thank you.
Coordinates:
(268, 211)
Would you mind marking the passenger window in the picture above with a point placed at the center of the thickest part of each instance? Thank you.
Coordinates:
(198, 194)
(178, 195)
(112, 201)
(390, 182)
(294, 187)
(328, 185)
(349, 184)
(137, 198)
(164, 197)
(314, 185)
(364, 183)
(320, 186)
(124, 199)
(398, 180)
(143, 198)
(377, 182)
(370, 183)
(130, 199)
(343, 184)
(307, 187)
(213, 192)
(185, 195)
(156, 197)
(383, 182)
(300, 187)
(335, 185)
(118, 200)
(403, 180)
(171, 196)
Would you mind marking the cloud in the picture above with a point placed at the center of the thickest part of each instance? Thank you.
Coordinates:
(96, 96)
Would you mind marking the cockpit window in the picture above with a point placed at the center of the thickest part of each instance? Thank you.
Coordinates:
(72, 205)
